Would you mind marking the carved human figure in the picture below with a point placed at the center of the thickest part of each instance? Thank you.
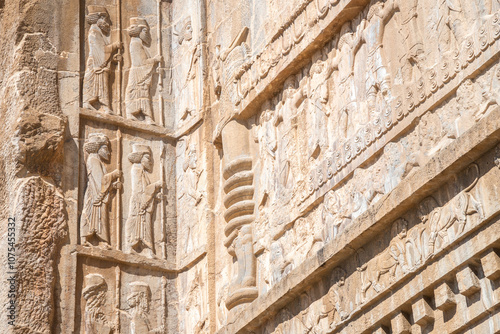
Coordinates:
(187, 74)
(377, 75)
(139, 225)
(94, 224)
(331, 215)
(349, 116)
(190, 196)
(243, 248)
(287, 125)
(334, 301)
(94, 293)
(194, 307)
(411, 33)
(267, 138)
(137, 94)
(317, 92)
(138, 301)
(96, 79)
(451, 25)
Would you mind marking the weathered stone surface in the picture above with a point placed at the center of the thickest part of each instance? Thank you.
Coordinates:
(326, 166)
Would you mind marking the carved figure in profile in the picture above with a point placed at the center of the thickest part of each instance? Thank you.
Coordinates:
(190, 196)
(349, 116)
(317, 92)
(451, 26)
(137, 94)
(377, 75)
(138, 301)
(94, 293)
(287, 122)
(455, 211)
(334, 301)
(94, 224)
(411, 33)
(96, 79)
(139, 225)
(267, 138)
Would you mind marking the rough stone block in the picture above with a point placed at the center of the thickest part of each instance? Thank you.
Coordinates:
(381, 330)
(468, 283)
(444, 297)
(400, 324)
(422, 312)
(491, 265)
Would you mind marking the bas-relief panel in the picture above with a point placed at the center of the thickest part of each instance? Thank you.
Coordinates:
(434, 226)
(136, 171)
(124, 62)
(354, 91)
(193, 300)
(191, 197)
(120, 299)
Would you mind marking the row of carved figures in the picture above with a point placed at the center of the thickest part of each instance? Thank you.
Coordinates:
(102, 53)
(94, 224)
(97, 319)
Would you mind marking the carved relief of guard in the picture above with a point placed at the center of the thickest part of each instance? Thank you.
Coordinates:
(137, 94)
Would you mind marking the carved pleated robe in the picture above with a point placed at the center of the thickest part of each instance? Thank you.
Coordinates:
(137, 95)
(95, 208)
(95, 81)
(139, 227)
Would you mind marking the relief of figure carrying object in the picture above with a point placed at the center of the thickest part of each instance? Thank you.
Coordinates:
(190, 195)
(94, 293)
(96, 79)
(94, 224)
(139, 301)
(266, 136)
(333, 308)
(377, 75)
(139, 225)
(317, 112)
(137, 94)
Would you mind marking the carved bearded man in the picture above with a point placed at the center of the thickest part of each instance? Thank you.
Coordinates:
(94, 294)
(139, 226)
(94, 221)
(96, 80)
(138, 301)
(137, 95)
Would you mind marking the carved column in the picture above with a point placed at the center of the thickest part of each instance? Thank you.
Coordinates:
(239, 214)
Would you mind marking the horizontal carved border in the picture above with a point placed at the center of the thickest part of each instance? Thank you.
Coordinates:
(116, 256)
(484, 135)
(141, 126)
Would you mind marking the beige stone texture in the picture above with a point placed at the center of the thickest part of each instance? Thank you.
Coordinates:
(253, 166)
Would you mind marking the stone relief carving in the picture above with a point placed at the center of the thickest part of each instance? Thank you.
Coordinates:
(139, 301)
(139, 225)
(334, 302)
(137, 94)
(189, 197)
(94, 293)
(96, 95)
(94, 223)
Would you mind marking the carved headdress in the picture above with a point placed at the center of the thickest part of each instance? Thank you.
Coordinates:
(138, 22)
(97, 10)
(138, 150)
(94, 283)
(345, 35)
(94, 142)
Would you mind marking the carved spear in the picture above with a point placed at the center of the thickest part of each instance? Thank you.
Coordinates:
(118, 193)
(118, 56)
(160, 72)
(163, 204)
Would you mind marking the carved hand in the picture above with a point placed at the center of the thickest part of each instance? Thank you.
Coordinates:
(159, 59)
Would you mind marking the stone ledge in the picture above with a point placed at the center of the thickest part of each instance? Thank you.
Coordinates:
(484, 135)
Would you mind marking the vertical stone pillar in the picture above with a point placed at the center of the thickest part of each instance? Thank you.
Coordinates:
(239, 213)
